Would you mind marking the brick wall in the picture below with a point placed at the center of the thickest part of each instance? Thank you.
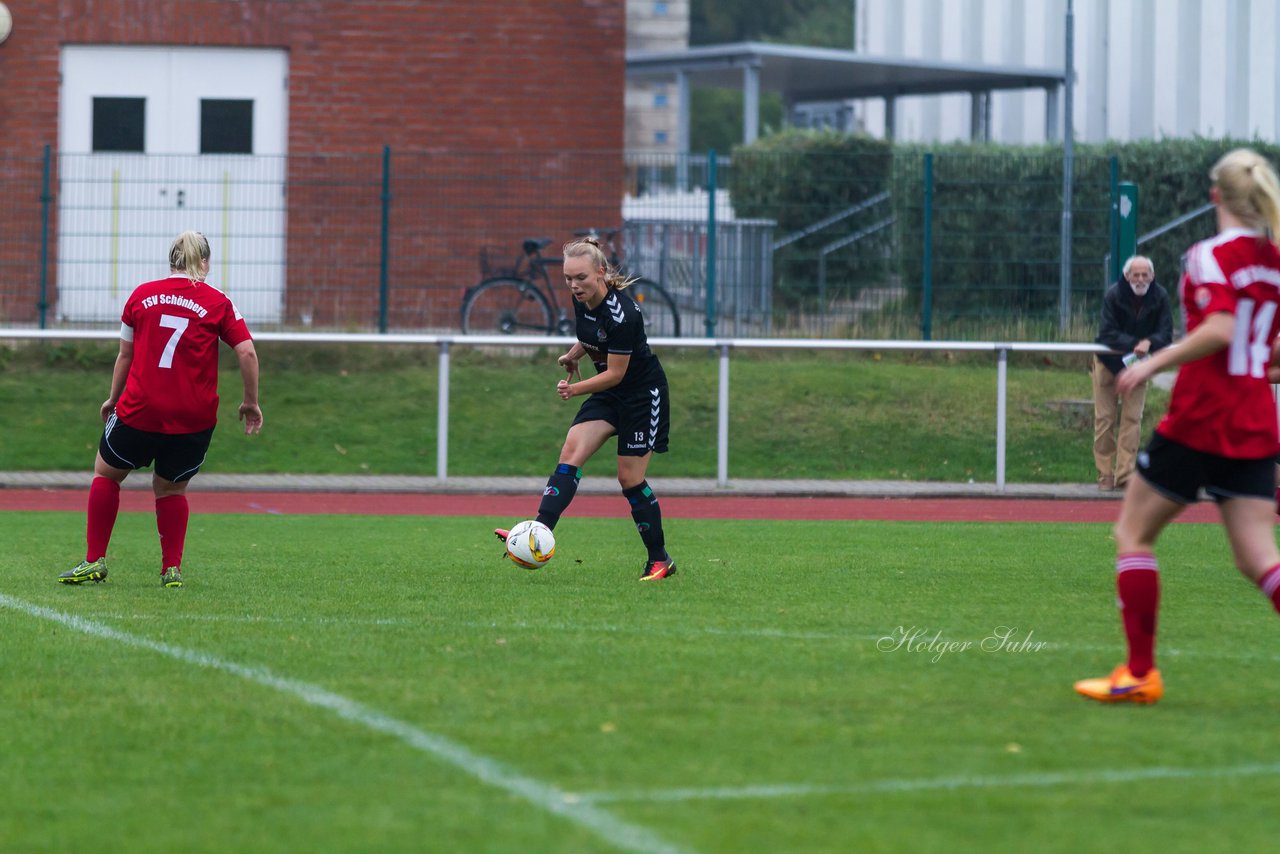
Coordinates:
(525, 83)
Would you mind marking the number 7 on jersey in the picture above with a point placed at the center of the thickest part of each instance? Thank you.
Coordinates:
(179, 326)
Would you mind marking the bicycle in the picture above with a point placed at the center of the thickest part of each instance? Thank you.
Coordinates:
(520, 299)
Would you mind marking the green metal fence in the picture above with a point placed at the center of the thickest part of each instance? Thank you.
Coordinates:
(905, 245)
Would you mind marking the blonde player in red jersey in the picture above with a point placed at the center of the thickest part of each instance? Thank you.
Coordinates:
(164, 402)
(1220, 432)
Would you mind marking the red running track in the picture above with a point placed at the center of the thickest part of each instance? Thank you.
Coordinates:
(604, 506)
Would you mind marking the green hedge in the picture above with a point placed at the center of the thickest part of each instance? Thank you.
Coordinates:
(997, 214)
(1173, 178)
(797, 178)
(997, 226)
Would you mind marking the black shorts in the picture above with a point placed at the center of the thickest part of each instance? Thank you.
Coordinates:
(1179, 473)
(641, 417)
(178, 456)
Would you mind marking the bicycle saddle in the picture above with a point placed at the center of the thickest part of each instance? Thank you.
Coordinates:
(536, 244)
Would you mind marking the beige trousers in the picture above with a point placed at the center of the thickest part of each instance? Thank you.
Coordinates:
(1113, 454)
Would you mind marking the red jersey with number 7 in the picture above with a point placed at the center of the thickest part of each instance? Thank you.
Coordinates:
(1223, 404)
(175, 325)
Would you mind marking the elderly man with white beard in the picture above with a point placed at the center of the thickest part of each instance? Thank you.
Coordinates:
(1136, 321)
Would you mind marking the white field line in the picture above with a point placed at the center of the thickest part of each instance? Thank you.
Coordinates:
(547, 797)
(517, 625)
(926, 784)
(763, 632)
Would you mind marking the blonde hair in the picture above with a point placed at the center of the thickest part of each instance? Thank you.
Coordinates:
(186, 253)
(1248, 187)
(589, 247)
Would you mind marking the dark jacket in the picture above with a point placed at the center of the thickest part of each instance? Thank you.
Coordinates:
(1128, 318)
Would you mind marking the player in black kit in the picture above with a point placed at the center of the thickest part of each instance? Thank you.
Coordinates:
(628, 398)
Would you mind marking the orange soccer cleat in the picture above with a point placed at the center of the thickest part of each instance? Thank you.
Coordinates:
(1123, 687)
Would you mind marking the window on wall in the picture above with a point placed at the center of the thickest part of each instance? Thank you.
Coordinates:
(659, 8)
(226, 127)
(660, 137)
(119, 124)
(660, 99)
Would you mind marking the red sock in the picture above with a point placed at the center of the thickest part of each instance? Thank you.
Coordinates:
(171, 522)
(1138, 585)
(1270, 584)
(104, 505)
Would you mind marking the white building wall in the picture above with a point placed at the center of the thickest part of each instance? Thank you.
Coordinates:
(652, 107)
(1263, 37)
(1144, 68)
(1164, 66)
(1093, 41)
(1008, 110)
(1212, 84)
(1187, 103)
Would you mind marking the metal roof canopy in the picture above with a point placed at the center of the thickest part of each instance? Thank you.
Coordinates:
(804, 74)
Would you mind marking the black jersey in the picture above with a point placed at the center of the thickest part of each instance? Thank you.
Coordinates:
(617, 326)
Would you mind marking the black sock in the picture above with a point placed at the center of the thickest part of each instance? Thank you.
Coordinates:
(648, 517)
(561, 487)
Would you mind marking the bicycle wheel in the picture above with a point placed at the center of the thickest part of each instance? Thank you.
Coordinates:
(661, 317)
(505, 307)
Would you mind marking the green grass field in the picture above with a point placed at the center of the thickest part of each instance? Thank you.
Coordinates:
(390, 684)
(353, 410)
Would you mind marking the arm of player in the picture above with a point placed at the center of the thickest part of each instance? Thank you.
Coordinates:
(569, 361)
(250, 412)
(1209, 337)
(1273, 369)
(119, 374)
(613, 373)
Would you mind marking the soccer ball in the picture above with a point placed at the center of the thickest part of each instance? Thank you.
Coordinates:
(530, 544)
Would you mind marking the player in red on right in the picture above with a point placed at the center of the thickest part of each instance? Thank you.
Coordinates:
(1220, 431)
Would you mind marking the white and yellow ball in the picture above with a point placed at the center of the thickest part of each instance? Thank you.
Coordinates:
(530, 544)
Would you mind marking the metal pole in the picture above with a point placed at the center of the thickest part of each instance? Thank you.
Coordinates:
(750, 103)
(383, 287)
(683, 151)
(711, 244)
(1068, 134)
(1002, 402)
(822, 283)
(722, 421)
(45, 199)
(1113, 242)
(926, 296)
(442, 415)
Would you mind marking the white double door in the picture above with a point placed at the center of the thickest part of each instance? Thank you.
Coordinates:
(158, 140)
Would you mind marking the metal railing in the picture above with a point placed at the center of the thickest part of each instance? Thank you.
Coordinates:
(724, 347)
(827, 222)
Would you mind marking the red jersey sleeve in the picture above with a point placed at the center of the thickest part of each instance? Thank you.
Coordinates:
(233, 330)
